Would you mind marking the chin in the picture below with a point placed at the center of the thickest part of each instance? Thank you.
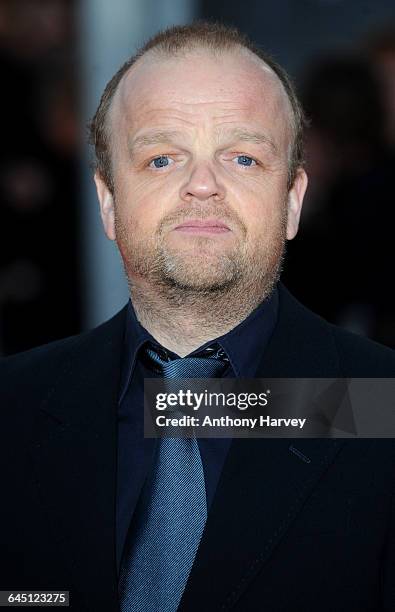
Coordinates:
(201, 273)
(204, 288)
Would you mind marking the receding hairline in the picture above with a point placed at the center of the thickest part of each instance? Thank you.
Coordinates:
(181, 41)
(157, 54)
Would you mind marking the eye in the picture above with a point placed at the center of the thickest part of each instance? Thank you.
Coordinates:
(160, 162)
(245, 160)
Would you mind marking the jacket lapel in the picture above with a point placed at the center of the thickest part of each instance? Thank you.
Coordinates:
(75, 453)
(263, 488)
(265, 482)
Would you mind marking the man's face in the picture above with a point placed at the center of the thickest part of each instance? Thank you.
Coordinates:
(200, 149)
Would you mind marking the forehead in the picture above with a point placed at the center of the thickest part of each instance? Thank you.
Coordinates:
(202, 89)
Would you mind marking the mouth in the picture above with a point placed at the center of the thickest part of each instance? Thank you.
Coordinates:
(198, 226)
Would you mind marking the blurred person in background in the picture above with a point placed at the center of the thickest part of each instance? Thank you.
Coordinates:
(345, 243)
(200, 181)
(379, 49)
(39, 297)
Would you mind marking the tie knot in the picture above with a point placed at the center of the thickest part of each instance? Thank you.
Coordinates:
(211, 362)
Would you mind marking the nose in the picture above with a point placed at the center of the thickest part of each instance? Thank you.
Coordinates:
(202, 184)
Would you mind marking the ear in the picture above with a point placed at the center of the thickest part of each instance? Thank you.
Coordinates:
(295, 201)
(106, 202)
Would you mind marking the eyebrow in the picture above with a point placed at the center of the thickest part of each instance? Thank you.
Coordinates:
(153, 138)
(252, 136)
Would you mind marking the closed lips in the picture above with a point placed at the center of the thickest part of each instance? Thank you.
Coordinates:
(203, 225)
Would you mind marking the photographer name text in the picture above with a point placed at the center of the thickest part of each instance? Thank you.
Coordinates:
(227, 421)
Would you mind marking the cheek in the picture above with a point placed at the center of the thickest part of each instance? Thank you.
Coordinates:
(136, 225)
(263, 218)
(135, 210)
(259, 195)
(147, 200)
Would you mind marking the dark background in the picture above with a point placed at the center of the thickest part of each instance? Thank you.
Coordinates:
(341, 55)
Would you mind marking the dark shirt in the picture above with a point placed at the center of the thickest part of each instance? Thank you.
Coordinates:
(244, 346)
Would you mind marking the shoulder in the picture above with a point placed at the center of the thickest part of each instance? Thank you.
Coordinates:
(322, 349)
(371, 358)
(33, 368)
(65, 369)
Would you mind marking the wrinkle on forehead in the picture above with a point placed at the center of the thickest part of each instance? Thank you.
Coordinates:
(142, 79)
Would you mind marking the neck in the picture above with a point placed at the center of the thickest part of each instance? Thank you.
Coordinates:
(182, 321)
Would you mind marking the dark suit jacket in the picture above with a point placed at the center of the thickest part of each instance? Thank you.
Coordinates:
(283, 532)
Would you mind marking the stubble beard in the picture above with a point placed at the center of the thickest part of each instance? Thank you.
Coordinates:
(224, 286)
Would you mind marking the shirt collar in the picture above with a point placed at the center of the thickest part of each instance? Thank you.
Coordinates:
(135, 336)
(244, 344)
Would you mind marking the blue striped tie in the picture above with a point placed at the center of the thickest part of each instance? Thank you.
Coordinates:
(172, 511)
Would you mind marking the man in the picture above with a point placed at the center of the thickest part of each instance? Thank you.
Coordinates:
(200, 182)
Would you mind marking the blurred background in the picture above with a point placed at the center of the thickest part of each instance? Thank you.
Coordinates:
(59, 275)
